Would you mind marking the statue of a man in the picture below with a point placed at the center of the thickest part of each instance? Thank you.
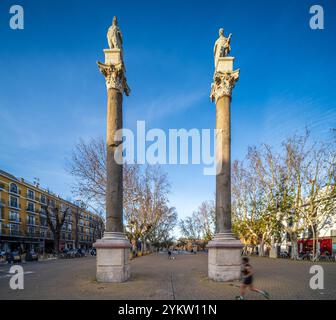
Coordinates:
(222, 45)
(114, 36)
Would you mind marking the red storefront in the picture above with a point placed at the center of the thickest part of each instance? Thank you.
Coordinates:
(325, 244)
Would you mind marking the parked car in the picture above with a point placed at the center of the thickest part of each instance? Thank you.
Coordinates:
(13, 257)
(80, 253)
(31, 256)
(284, 254)
(67, 253)
(71, 253)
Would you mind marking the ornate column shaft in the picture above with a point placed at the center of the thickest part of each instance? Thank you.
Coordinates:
(221, 93)
(224, 250)
(116, 85)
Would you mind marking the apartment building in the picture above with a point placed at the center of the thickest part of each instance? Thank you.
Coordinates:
(24, 223)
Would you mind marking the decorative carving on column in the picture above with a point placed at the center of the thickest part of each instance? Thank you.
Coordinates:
(114, 77)
(223, 84)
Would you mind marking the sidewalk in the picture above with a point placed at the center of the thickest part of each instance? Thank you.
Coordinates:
(157, 277)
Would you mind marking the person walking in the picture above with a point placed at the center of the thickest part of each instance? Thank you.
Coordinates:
(247, 281)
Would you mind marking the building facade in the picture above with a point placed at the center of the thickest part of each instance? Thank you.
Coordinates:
(24, 224)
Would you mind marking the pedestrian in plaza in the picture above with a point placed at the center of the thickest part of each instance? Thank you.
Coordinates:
(169, 254)
(247, 281)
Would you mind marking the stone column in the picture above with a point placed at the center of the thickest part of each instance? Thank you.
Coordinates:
(224, 259)
(113, 248)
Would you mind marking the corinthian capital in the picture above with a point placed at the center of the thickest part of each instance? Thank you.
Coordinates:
(115, 77)
(223, 83)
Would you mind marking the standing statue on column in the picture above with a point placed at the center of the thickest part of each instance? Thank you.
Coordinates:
(222, 46)
(114, 35)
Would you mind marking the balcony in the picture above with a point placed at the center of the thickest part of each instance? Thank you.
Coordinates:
(33, 234)
(15, 233)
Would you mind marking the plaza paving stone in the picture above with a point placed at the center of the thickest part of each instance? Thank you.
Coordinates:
(156, 277)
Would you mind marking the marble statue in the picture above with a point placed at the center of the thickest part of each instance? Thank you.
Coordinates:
(222, 45)
(114, 35)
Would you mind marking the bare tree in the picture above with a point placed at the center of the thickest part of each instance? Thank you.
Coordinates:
(56, 215)
(160, 235)
(201, 224)
(146, 203)
(190, 229)
(315, 169)
(146, 189)
(284, 193)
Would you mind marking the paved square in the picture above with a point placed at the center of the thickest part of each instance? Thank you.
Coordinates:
(156, 277)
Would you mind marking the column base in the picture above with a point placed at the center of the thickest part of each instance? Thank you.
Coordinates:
(224, 257)
(113, 257)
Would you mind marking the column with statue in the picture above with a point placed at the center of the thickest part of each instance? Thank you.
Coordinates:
(224, 258)
(113, 249)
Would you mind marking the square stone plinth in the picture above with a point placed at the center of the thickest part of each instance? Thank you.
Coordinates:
(224, 64)
(113, 56)
(224, 259)
(112, 260)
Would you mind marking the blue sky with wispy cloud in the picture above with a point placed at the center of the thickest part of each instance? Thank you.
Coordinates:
(52, 94)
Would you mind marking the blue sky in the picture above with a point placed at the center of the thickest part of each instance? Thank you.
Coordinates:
(52, 93)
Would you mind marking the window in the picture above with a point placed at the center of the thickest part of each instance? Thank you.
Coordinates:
(14, 216)
(31, 220)
(31, 207)
(43, 222)
(43, 211)
(14, 229)
(14, 202)
(31, 231)
(43, 199)
(42, 233)
(30, 194)
(13, 188)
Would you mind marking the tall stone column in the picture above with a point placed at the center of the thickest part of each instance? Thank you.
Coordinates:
(224, 259)
(113, 248)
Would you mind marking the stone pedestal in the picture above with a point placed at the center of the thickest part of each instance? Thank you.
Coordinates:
(113, 258)
(224, 261)
(113, 56)
(224, 64)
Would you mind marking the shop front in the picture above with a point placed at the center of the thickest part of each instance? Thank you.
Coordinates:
(323, 245)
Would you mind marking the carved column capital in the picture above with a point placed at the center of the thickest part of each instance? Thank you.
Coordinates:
(115, 77)
(223, 84)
